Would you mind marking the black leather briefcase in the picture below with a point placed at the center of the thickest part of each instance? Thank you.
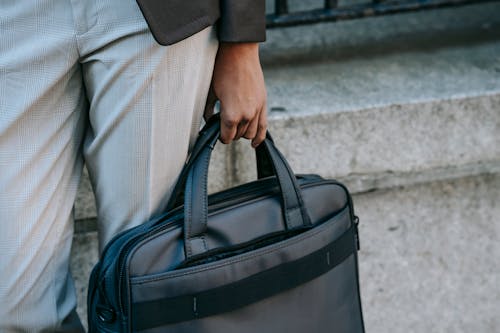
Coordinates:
(275, 255)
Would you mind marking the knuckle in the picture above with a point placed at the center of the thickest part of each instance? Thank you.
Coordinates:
(230, 122)
(247, 117)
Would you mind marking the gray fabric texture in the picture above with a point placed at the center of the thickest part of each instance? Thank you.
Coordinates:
(84, 80)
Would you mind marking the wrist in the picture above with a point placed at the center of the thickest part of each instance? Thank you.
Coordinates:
(239, 48)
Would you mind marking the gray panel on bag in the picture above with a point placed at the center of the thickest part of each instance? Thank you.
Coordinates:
(166, 250)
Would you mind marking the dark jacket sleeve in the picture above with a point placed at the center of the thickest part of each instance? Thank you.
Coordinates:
(242, 21)
(171, 21)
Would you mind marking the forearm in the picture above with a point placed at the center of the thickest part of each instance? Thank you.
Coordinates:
(238, 83)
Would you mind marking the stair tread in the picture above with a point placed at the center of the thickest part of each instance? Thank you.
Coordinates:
(400, 78)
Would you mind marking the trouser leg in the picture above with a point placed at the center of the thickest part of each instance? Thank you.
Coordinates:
(41, 130)
(146, 105)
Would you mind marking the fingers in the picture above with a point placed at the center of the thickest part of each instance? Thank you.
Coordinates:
(228, 128)
(260, 134)
(251, 130)
(242, 128)
(236, 125)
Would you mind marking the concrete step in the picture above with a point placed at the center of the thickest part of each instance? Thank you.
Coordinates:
(429, 256)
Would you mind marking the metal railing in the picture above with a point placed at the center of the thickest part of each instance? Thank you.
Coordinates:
(332, 11)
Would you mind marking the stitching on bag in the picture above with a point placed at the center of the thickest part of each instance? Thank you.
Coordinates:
(189, 237)
(229, 262)
(199, 239)
(286, 169)
(294, 188)
(203, 238)
(205, 198)
(285, 202)
(187, 195)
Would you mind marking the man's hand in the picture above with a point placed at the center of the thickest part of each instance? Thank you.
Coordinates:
(238, 83)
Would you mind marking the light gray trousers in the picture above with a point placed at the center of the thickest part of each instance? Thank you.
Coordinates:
(83, 80)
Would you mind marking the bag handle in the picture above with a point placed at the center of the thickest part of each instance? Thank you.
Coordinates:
(196, 195)
(264, 166)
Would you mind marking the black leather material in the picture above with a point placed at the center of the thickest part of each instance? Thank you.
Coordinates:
(289, 277)
(173, 20)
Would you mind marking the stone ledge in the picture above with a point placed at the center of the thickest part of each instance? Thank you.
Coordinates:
(394, 141)
(429, 256)
(359, 183)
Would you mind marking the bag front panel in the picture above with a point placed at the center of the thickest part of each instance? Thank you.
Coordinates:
(334, 292)
(237, 224)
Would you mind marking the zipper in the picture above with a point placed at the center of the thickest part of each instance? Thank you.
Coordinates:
(356, 234)
(248, 246)
(121, 267)
(124, 243)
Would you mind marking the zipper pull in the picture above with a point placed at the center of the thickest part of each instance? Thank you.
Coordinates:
(105, 314)
(356, 223)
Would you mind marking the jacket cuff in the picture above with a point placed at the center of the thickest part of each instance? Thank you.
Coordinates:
(242, 21)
